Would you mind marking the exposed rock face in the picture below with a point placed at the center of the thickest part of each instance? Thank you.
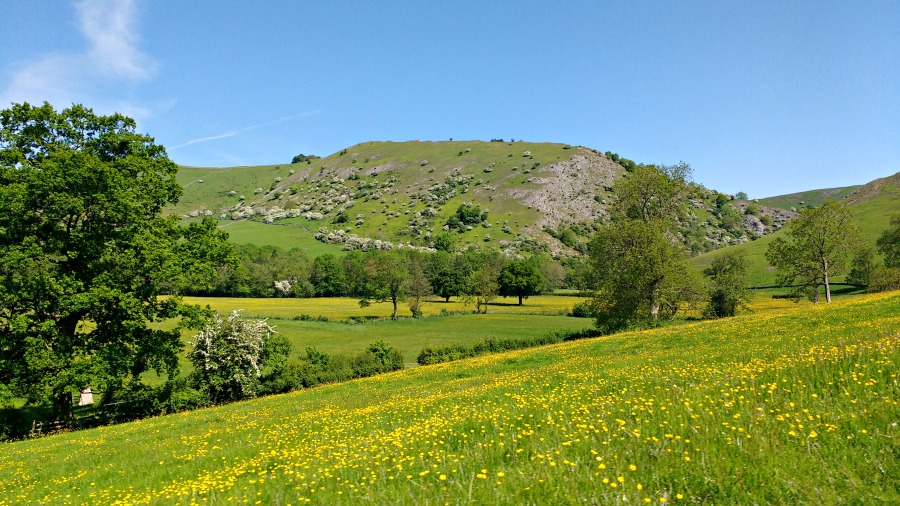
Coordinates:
(754, 225)
(567, 189)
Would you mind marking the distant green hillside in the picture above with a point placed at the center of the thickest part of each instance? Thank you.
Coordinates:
(515, 196)
(872, 205)
(813, 198)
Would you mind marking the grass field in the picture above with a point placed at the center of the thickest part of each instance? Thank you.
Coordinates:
(539, 315)
(813, 198)
(280, 235)
(781, 407)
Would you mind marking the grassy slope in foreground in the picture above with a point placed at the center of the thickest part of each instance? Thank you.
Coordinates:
(784, 407)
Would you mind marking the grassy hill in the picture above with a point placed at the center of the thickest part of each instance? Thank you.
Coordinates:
(813, 198)
(533, 196)
(872, 206)
(785, 407)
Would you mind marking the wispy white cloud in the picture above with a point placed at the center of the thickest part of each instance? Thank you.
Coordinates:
(90, 76)
(233, 133)
(110, 28)
(199, 140)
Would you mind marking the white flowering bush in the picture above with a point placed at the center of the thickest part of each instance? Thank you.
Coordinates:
(228, 356)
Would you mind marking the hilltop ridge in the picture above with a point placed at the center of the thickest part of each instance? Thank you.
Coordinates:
(530, 197)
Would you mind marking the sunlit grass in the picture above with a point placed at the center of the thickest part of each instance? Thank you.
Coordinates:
(781, 407)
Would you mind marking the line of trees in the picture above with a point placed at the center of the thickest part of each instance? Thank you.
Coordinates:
(402, 275)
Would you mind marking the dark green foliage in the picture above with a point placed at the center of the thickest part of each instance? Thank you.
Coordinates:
(327, 276)
(889, 243)
(655, 193)
(862, 265)
(389, 277)
(446, 281)
(83, 238)
(319, 368)
(883, 279)
(568, 237)
(728, 285)
(304, 158)
(257, 270)
(741, 196)
(641, 273)
(444, 242)
(467, 214)
(721, 200)
(439, 354)
(582, 310)
(521, 279)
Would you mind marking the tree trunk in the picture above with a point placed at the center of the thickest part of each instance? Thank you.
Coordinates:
(447, 299)
(825, 277)
(654, 300)
(520, 300)
(394, 301)
(62, 405)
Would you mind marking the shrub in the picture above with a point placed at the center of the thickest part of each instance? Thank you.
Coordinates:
(228, 356)
(582, 310)
(883, 279)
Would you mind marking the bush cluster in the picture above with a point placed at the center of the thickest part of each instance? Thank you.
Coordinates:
(438, 354)
(318, 368)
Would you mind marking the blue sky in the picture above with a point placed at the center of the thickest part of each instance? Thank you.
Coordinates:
(766, 97)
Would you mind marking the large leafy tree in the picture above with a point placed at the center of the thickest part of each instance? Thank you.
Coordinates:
(85, 251)
(388, 276)
(638, 264)
(819, 246)
(520, 278)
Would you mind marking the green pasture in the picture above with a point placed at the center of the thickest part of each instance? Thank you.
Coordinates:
(782, 407)
(814, 198)
(396, 171)
(539, 315)
(285, 236)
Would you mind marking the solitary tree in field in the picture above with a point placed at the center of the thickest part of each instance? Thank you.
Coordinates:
(482, 287)
(85, 251)
(820, 244)
(520, 278)
(419, 288)
(639, 267)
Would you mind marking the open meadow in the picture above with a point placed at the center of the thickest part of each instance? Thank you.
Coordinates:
(343, 332)
(781, 406)
(295, 318)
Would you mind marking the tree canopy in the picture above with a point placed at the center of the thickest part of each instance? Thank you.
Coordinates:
(638, 265)
(819, 246)
(85, 250)
(520, 278)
